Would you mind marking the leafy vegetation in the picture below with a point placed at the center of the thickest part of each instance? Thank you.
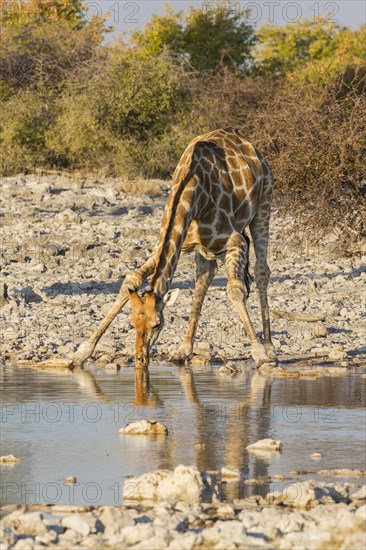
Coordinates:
(70, 99)
(205, 40)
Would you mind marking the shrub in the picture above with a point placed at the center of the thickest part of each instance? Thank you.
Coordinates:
(24, 125)
(317, 151)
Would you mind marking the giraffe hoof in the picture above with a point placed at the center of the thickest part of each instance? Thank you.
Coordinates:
(267, 366)
(83, 353)
(180, 356)
(271, 353)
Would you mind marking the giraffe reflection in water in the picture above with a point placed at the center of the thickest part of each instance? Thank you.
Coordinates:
(218, 430)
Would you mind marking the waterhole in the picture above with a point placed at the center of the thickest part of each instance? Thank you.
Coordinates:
(64, 423)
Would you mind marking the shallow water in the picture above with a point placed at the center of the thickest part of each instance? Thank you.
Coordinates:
(64, 423)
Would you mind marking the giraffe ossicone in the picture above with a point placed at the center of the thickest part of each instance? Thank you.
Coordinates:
(221, 186)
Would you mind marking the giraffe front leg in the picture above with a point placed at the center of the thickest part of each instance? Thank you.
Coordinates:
(205, 271)
(132, 281)
(236, 265)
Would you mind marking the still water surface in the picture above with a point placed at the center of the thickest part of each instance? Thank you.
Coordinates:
(64, 423)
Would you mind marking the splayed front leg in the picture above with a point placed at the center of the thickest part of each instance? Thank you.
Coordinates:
(261, 356)
(132, 282)
(84, 351)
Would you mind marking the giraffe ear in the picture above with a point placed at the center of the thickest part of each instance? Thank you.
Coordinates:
(171, 296)
(134, 297)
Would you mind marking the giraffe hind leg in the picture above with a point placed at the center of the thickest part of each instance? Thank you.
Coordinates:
(259, 229)
(236, 263)
(247, 277)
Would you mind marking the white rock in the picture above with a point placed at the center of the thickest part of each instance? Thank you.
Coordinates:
(145, 427)
(185, 541)
(137, 533)
(114, 520)
(337, 355)
(9, 459)
(228, 473)
(306, 541)
(77, 523)
(68, 216)
(157, 542)
(49, 537)
(70, 480)
(342, 472)
(184, 483)
(24, 544)
(360, 494)
(361, 512)
(354, 541)
(316, 456)
(225, 511)
(29, 523)
(307, 494)
(270, 445)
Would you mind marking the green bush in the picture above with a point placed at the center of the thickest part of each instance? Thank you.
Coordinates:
(70, 101)
(24, 124)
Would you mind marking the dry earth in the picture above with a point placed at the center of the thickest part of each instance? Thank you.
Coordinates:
(67, 243)
(309, 516)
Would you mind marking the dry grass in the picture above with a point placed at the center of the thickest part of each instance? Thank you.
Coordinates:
(154, 188)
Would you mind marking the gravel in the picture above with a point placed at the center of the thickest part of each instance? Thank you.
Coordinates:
(63, 261)
(310, 519)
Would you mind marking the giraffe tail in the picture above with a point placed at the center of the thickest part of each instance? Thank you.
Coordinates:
(248, 279)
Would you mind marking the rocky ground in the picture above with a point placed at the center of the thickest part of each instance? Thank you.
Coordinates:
(309, 515)
(67, 242)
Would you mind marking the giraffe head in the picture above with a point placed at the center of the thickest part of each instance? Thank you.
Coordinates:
(148, 320)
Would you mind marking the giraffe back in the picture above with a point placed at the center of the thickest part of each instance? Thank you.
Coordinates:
(231, 178)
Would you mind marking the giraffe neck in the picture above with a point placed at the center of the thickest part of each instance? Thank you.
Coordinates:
(178, 214)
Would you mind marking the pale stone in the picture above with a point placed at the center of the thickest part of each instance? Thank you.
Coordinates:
(137, 533)
(114, 520)
(227, 473)
(145, 427)
(306, 494)
(225, 511)
(185, 541)
(68, 216)
(24, 544)
(360, 494)
(184, 483)
(77, 523)
(337, 355)
(316, 456)
(9, 459)
(354, 541)
(29, 523)
(270, 445)
(361, 512)
(70, 480)
(49, 537)
(344, 472)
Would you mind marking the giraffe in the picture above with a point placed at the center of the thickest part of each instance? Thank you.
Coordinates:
(221, 186)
